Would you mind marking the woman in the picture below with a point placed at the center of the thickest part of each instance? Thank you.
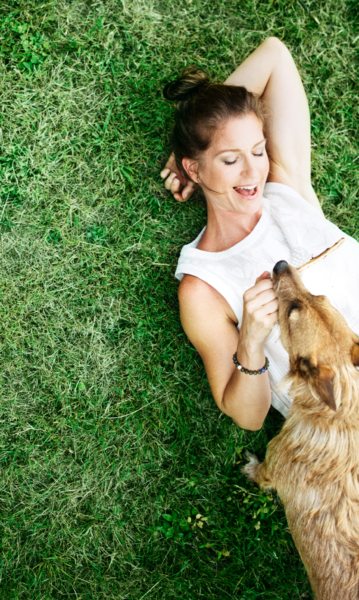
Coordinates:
(261, 209)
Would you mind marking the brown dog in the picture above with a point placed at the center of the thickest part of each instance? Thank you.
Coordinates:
(314, 462)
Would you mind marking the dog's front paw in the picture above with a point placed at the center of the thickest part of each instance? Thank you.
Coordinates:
(250, 468)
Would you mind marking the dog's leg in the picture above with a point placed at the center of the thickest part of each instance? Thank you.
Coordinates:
(257, 471)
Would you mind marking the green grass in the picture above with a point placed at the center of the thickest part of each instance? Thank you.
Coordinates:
(110, 441)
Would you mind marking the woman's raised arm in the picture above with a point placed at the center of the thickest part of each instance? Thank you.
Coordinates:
(270, 73)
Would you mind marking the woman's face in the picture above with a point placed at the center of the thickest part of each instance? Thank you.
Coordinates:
(234, 169)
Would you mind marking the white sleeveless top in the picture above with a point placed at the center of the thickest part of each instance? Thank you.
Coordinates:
(289, 229)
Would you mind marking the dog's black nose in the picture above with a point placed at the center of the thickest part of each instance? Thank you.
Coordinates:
(280, 266)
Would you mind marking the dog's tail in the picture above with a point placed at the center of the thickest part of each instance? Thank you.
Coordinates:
(251, 467)
(257, 472)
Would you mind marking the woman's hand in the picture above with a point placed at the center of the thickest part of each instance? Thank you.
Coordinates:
(260, 313)
(175, 182)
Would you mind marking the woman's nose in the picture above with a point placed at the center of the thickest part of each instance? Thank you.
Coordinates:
(249, 168)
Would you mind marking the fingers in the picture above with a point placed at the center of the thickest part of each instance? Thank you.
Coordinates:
(185, 195)
(165, 172)
(270, 320)
(171, 167)
(265, 275)
(272, 307)
(172, 183)
(258, 310)
(260, 286)
(265, 316)
(267, 310)
(171, 163)
(175, 180)
(175, 185)
(187, 190)
(262, 299)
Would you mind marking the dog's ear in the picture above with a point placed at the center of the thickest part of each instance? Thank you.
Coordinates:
(321, 377)
(323, 381)
(355, 354)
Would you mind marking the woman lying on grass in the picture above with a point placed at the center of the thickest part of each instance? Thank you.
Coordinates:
(249, 151)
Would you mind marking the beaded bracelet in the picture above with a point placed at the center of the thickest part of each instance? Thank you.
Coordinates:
(240, 368)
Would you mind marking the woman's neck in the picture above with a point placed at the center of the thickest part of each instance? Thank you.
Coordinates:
(225, 228)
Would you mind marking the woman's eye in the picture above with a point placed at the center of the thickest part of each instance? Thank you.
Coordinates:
(226, 162)
(261, 154)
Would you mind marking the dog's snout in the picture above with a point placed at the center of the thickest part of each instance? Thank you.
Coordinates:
(280, 266)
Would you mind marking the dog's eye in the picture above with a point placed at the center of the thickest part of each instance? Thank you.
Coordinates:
(293, 306)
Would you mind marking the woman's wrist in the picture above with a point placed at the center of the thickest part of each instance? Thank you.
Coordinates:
(250, 354)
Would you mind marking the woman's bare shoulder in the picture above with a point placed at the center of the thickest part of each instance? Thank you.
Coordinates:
(193, 285)
(195, 295)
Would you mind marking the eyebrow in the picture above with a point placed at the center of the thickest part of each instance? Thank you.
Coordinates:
(238, 149)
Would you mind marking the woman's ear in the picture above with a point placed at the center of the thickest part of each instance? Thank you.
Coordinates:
(191, 168)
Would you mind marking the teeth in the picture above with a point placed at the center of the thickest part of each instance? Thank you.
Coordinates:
(246, 187)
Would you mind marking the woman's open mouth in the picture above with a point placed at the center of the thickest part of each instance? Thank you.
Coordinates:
(247, 191)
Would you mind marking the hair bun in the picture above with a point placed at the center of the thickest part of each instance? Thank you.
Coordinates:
(190, 80)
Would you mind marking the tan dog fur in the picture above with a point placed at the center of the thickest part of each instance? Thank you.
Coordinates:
(314, 462)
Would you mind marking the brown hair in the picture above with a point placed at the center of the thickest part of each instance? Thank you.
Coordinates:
(201, 107)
